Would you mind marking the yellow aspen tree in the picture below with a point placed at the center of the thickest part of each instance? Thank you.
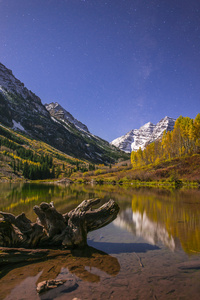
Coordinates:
(197, 132)
(140, 157)
(134, 160)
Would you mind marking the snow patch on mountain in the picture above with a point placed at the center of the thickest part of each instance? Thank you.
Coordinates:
(17, 125)
(140, 138)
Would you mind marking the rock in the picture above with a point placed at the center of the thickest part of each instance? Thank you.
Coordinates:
(65, 181)
(46, 285)
(46, 289)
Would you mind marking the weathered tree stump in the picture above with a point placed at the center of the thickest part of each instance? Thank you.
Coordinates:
(54, 229)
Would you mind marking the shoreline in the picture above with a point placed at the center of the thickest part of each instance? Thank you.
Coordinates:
(176, 184)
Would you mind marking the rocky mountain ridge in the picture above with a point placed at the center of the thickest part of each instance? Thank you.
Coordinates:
(148, 133)
(22, 110)
(58, 112)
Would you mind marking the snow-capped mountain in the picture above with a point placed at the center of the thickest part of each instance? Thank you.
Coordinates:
(148, 133)
(142, 226)
(22, 110)
(58, 112)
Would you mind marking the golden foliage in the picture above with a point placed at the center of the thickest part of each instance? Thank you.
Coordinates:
(183, 140)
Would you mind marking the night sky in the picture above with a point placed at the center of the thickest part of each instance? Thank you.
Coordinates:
(114, 65)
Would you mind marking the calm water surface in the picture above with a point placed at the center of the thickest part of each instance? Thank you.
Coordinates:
(151, 251)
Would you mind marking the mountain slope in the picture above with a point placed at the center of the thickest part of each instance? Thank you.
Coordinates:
(57, 111)
(148, 133)
(22, 110)
(24, 158)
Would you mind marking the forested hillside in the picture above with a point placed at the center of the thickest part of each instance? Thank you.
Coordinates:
(25, 158)
(183, 140)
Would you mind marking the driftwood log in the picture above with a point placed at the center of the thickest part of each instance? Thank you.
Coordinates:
(53, 228)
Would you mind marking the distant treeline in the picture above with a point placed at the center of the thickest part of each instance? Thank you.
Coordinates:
(184, 139)
(42, 171)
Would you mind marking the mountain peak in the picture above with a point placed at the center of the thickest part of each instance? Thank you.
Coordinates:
(146, 134)
(10, 84)
(58, 112)
(149, 124)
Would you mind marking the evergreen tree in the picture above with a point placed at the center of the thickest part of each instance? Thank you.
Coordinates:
(58, 171)
(53, 172)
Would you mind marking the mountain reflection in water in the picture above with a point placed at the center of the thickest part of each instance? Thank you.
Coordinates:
(140, 267)
(157, 215)
(140, 225)
(166, 217)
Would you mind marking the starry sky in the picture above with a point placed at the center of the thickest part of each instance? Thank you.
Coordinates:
(113, 64)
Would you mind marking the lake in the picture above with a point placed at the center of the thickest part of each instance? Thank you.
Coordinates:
(150, 251)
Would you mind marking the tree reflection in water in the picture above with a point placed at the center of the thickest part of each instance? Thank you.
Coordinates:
(172, 219)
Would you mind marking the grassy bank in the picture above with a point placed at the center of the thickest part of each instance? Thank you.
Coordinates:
(184, 171)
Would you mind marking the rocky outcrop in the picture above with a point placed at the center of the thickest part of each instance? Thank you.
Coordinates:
(58, 112)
